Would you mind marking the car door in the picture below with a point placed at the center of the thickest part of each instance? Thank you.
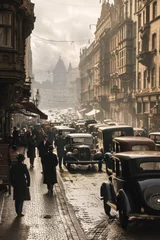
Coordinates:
(117, 179)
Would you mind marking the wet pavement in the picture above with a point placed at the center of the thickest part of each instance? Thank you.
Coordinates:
(74, 211)
(82, 187)
(46, 216)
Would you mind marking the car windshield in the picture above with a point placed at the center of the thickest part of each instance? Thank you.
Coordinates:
(140, 148)
(150, 166)
(82, 140)
(145, 165)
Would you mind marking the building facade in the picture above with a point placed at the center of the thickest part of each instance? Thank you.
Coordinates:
(148, 64)
(16, 23)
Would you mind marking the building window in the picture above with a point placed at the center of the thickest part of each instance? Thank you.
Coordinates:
(139, 107)
(147, 13)
(154, 41)
(139, 81)
(144, 17)
(5, 29)
(154, 10)
(153, 79)
(139, 21)
(145, 79)
(146, 107)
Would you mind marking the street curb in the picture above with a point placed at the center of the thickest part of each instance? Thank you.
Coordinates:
(71, 212)
(2, 196)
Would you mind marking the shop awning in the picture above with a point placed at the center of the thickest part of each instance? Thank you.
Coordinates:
(82, 110)
(93, 112)
(30, 107)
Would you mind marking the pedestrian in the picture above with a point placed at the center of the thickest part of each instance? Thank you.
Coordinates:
(31, 152)
(60, 143)
(50, 163)
(15, 138)
(20, 181)
(13, 152)
(43, 149)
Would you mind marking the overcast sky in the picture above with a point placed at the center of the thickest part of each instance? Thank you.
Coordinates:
(61, 20)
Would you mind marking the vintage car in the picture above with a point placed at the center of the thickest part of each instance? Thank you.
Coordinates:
(64, 130)
(134, 186)
(155, 136)
(79, 150)
(106, 135)
(139, 132)
(125, 144)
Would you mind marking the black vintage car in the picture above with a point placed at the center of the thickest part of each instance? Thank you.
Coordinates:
(134, 186)
(79, 150)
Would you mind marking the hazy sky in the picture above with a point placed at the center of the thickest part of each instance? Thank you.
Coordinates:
(61, 20)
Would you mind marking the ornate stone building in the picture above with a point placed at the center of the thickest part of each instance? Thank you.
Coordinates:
(148, 64)
(111, 63)
(16, 24)
(122, 64)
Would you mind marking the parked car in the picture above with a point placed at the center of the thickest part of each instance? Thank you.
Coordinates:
(125, 144)
(79, 150)
(140, 132)
(64, 129)
(134, 186)
(155, 136)
(107, 134)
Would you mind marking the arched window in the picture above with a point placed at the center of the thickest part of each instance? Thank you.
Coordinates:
(153, 78)
(145, 79)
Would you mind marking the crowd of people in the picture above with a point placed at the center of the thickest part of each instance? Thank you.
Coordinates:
(44, 140)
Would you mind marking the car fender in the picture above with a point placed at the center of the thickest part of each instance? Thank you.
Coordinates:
(98, 156)
(106, 192)
(122, 196)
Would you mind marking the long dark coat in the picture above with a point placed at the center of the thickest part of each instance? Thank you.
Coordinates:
(43, 148)
(31, 148)
(60, 143)
(20, 180)
(50, 163)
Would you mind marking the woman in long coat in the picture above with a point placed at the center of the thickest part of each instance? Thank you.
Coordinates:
(31, 152)
(50, 163)
(20, 181)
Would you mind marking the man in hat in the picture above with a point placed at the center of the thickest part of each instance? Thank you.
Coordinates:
(60, 143)
(50, 163)
(43, 149)
(20, 181)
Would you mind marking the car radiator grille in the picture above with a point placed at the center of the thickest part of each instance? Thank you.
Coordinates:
(84, 154)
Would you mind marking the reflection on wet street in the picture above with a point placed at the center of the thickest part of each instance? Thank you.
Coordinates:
(82, 185)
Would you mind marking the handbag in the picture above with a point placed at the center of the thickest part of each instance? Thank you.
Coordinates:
(28, 196)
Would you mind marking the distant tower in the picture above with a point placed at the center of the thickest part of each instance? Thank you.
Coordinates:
(59, 75)
(70, 67)
(59, 84)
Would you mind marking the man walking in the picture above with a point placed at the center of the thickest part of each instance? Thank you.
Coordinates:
(50, 163)
(60, 143)
(43, 148)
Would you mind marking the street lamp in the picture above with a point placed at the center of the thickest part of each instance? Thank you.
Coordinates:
(36, 99)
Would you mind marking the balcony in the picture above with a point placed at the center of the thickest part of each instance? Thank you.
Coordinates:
(144, 31)
(145, 57)
(27, 8)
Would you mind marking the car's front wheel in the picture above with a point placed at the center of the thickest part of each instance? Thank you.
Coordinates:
(68, 166)
(107, 208)
(123, 218)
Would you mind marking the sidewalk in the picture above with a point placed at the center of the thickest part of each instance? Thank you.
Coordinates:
(47, 217)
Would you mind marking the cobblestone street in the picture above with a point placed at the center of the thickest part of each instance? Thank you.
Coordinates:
(47, 217)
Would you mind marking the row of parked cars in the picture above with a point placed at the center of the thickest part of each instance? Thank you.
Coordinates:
(133, 166)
